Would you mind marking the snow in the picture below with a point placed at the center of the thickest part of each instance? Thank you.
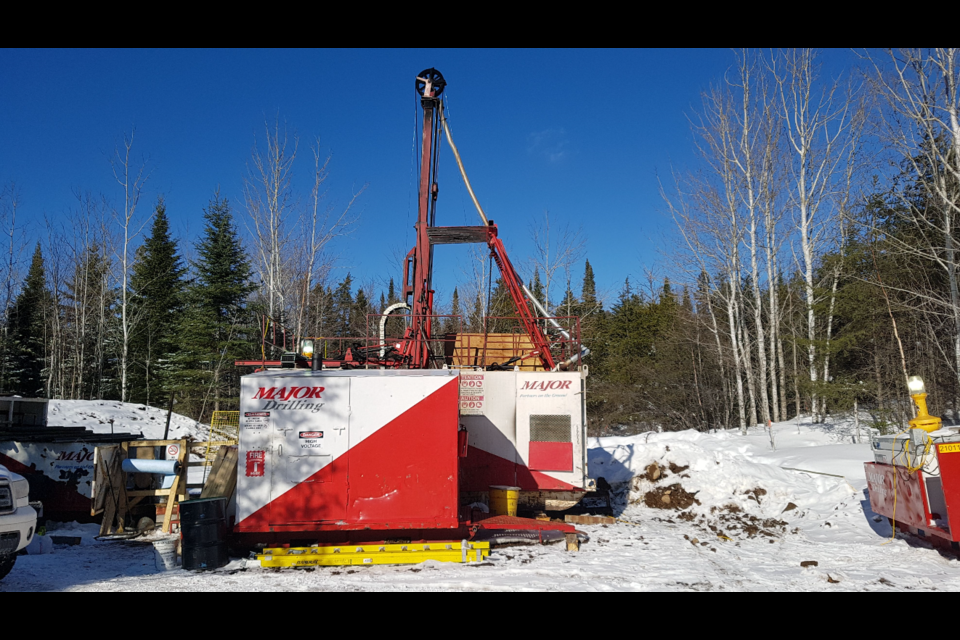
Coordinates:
(96, 415)
(806, 516)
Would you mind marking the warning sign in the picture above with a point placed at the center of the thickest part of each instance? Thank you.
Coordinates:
(471, 394)
(255, 420)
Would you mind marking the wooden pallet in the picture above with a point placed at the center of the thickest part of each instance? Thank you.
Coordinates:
(110, 495)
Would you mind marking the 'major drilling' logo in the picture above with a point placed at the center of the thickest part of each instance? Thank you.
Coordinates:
(288, 393)
(545, 385)
(290, 398)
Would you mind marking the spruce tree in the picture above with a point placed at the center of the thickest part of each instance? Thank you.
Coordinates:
(569, 306)
(216, 327)
(27, 332)
(322, 311)
(502, 311)
(157, 287)
(342, 308)
(454, 323)
(591, 314)
(588, 295)
(358, 316)
(536, 288)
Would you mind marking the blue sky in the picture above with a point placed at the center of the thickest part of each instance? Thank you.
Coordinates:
(581, 134)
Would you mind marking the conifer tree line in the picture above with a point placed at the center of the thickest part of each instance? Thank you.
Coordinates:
(815, 267)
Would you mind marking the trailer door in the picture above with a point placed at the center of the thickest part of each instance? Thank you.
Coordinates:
(311, 436)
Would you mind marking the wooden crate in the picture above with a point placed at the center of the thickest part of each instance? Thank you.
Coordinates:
(483, 350)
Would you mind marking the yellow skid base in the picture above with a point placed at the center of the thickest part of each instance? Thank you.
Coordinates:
(375, 554)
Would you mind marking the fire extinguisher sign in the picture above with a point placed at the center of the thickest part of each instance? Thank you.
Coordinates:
(255, 460)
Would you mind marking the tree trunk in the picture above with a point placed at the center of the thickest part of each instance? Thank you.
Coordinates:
(734, 349)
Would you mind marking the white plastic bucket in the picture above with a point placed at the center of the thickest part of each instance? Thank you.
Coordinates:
(165, 554)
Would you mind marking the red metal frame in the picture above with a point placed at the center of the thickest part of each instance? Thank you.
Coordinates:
(341, 351)
(912, 511)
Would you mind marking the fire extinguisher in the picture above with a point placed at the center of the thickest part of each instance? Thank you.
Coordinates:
(462, 442)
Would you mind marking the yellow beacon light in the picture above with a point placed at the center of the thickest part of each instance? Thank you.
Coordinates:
(306, 348)
(924, 420)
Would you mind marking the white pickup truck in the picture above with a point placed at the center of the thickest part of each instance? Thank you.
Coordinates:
(18, 520)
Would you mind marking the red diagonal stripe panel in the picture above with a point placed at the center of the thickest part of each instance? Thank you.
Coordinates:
(403, 475)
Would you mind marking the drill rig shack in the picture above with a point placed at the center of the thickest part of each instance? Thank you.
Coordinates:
(403, 437)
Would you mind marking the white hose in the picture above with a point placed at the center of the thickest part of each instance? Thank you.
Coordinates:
(383, 323)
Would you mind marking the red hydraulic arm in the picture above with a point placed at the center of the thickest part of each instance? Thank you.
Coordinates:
(515, 286)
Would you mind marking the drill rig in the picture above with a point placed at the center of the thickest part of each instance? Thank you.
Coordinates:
(360, 439)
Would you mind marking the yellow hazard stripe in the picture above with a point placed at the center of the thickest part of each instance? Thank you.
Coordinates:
(375, 549)
(380, 558)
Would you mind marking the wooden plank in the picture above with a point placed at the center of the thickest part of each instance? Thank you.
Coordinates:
(113, 491)
(589, 520)
(213, 485)
(153, 443)
(148, 493)
(99, 487)
(120, 485)
(171, 501)
(109, 514)
(223, 477)
(184, 459)
(144, 480)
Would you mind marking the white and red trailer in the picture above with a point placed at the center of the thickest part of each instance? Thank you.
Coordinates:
(377, 454)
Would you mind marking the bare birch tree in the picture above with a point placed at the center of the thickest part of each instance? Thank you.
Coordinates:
(751, 150)
(555, 251)
(816, 119)
(131, 175)
(700, 210)
(291, 241)
(270, 202)
(321, 224)
(921, 91)
(702, 263)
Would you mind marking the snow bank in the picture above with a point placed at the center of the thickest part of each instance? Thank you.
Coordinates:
(96, 415)
(724, 470)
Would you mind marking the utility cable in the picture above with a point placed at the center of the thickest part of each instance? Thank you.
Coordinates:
(463, 172)
(910, 469)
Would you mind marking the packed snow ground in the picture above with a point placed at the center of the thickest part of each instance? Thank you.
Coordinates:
(755, 523)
